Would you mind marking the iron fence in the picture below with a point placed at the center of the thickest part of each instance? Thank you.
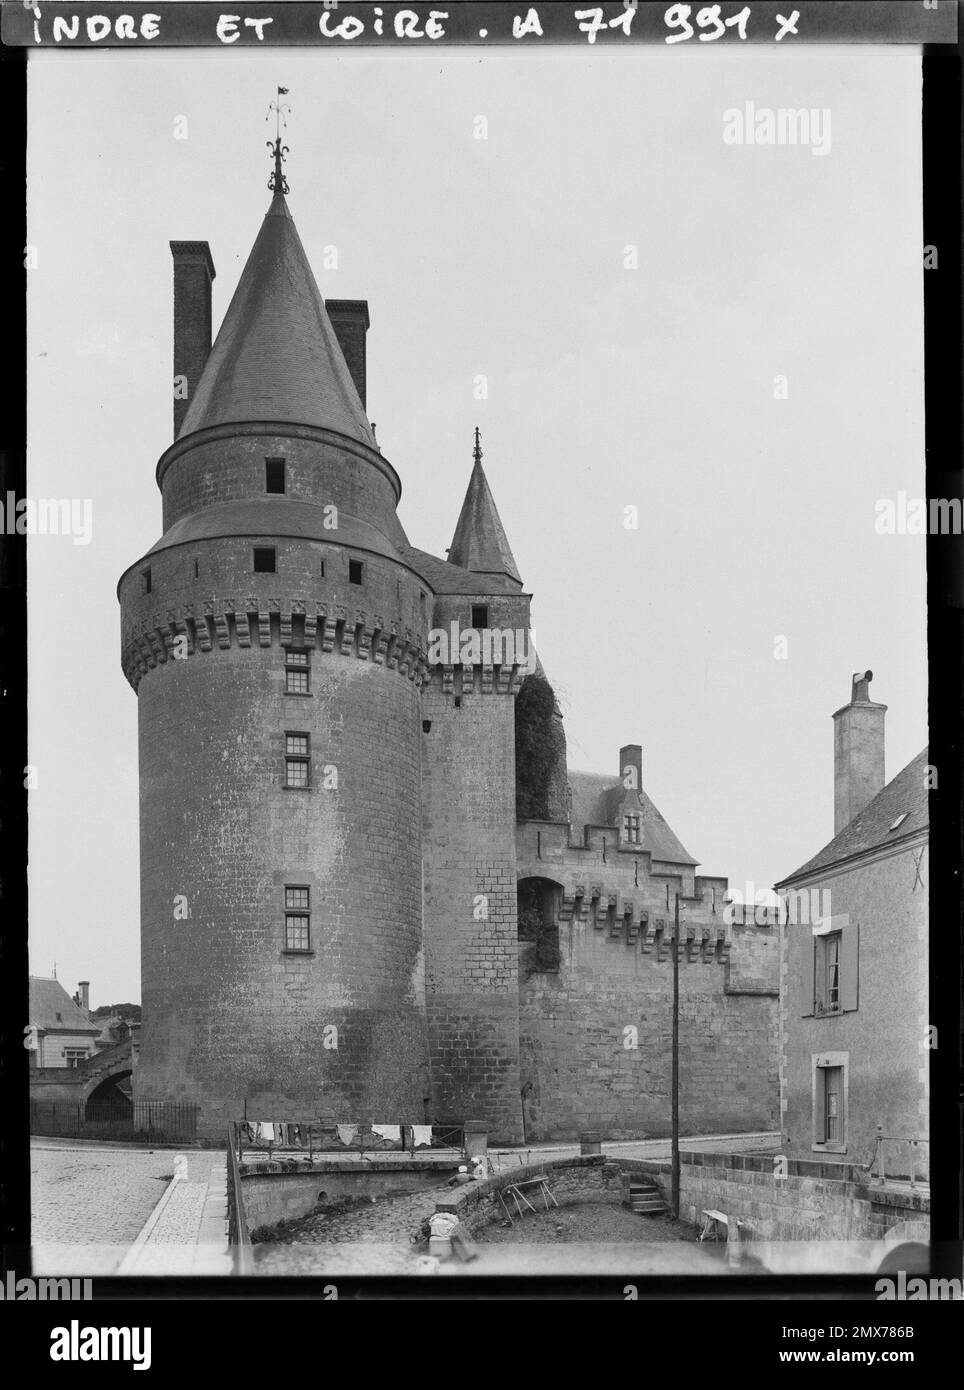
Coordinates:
(139, 1121)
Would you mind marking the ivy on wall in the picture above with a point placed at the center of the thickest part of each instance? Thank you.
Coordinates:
(535, 748)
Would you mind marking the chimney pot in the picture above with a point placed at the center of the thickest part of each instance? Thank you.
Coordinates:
(83, 989)
(858, 752)
(349, 318)
(631, 766)
(193, 274)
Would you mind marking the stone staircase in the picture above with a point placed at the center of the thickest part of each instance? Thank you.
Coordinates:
(643, 1196)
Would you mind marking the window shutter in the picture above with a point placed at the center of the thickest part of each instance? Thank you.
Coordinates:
(849, 951)
(819, 1105)
(808, 950)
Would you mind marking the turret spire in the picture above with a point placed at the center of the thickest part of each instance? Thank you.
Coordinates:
(277, 181)
(480, 543)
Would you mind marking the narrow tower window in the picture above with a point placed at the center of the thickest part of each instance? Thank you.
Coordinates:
(274, 475)
(297, 919)
(322, 569)
(297, 672)
(480, 615)
(264, 559)
(145, 581)
(355, 570)
(297, 760)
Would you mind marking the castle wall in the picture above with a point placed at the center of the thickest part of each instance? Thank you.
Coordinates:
(595, 1036)
(471, 947)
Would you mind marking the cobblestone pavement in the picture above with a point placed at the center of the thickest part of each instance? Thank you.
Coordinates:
(369, 1237)
(89, 1202)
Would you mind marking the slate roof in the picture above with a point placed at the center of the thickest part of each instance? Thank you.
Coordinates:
(276, 356)
(595, 801)
(448, 578)
(871, 829)
(48, 998)
(480, 543)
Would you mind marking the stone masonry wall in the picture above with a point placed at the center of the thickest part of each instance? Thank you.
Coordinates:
(595, 1036)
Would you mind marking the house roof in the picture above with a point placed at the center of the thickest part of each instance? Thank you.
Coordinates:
(276, 356)
(48, 998)
(596, 800)
(876, 825)
(480, 543)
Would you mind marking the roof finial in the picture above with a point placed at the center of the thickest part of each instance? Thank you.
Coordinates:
(477, 451)
(277, 182)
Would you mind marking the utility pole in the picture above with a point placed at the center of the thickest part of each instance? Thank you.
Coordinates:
(674, 1151)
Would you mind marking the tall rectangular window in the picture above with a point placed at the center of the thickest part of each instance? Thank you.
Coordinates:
(297, 919)
(631, 829)
(274, 475)
(297, 760)
(145, 581)
(827, 973)
(264, 559)
(832, 1105)
(355, 571)
(297, 672)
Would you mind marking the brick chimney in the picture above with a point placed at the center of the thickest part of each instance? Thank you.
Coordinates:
(193, 274)
(349, 319)
(631, 767)
(83, 995)
(858, 752)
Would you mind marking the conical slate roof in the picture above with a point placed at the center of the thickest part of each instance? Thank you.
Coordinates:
(276, 356)
(480, 543)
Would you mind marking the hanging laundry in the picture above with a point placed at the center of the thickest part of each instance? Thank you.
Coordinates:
(346, 1133)
(393, 1133)
(421, 1136)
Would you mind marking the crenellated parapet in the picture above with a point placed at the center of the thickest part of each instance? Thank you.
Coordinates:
(627, 918)
(218, 624)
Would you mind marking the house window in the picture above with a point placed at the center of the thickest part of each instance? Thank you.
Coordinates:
(631, 829)
(297, 672)
(355, 570)
(480, 615)
(145, 581)
(297, 760)
(75, 1055)
(297, 919)
(264, 559)
(274, 475)
(827, 973)
(832, 1105)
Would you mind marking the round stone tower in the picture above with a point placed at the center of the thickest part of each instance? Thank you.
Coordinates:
(276, 639)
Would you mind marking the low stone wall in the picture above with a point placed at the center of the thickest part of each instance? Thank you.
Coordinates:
(814, 1201)
(274, 1192)
(593, 1178)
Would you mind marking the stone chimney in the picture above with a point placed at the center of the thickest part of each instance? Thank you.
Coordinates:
(349, 319)
(631, 767)
(83, 995)
(193, 274)
(858, 752)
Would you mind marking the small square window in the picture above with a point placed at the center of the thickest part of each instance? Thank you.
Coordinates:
(355, 569)
(296, 899)
(480, 615)
(274, 475)
(145, 581)
(264, 559)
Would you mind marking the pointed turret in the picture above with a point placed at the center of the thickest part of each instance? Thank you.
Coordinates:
(480, 543)
(277, 356)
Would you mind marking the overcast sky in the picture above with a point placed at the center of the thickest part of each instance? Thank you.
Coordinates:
(608, 387)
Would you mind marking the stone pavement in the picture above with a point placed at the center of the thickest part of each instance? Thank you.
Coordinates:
(90, 1202)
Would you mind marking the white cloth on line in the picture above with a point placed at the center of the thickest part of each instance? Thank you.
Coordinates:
(346, 1133)
(391, 1132)
(421, 1134)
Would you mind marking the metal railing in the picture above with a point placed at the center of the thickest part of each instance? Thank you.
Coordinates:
(139, 1121)
(239, 1241)
(891, 1144)
(273, 1138)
